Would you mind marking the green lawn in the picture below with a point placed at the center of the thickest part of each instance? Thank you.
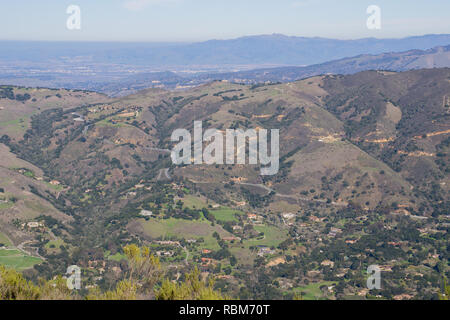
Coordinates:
(106, 123)
(29, 174)
(17, 260)
(226, 214)
(117, 257)
(272, 236)
(187, 229)
(9, 253)
(312, 291)
(194, 202)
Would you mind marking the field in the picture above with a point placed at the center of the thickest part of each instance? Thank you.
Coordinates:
(193, 202)
(243, 254)
(17, 260)
(272, 236)
(225, 214)
(117, 257)
(186, 229)
(312, 291)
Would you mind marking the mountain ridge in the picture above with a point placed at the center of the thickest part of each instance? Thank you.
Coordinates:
(282, 50)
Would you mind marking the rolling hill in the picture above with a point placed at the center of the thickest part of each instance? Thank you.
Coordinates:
(438, 57)
(363, 157)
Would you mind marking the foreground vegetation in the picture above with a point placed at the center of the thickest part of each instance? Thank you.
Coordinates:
(145, 280)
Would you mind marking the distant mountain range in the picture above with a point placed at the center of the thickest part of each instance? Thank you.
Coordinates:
(437, 57)
(245, 51)
(119, 69)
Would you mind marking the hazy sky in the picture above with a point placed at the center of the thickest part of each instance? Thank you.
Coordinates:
(195, 20)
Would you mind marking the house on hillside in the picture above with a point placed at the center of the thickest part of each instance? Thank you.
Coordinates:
(33, 226)
(168, 243)
(333, 232)
(288, 215)
(176, 186)
(265, 251)
(255, 218)
(316, 219)
(146, 213)
(208, 261)
(229, 239)
(327, 263)
(164, 253)
(386, 268)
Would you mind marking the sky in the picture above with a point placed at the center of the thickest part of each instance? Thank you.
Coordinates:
(199, 20)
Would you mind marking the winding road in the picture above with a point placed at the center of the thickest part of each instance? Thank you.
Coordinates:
(269, 190)
(163, 172)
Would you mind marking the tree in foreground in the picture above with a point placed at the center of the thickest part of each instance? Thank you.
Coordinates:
(193, 288)
(13, 286)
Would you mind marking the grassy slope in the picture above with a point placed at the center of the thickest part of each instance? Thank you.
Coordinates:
(17, 260)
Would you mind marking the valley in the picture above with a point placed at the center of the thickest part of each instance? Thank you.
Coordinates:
(363, 180)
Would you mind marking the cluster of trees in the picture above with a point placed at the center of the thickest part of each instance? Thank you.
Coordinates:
(256, 200)
(8, 93)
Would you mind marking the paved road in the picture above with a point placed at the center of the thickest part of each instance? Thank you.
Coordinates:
(157, 149)
(164, 172)
(187, 254)
(34, 254)
(20, 248)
